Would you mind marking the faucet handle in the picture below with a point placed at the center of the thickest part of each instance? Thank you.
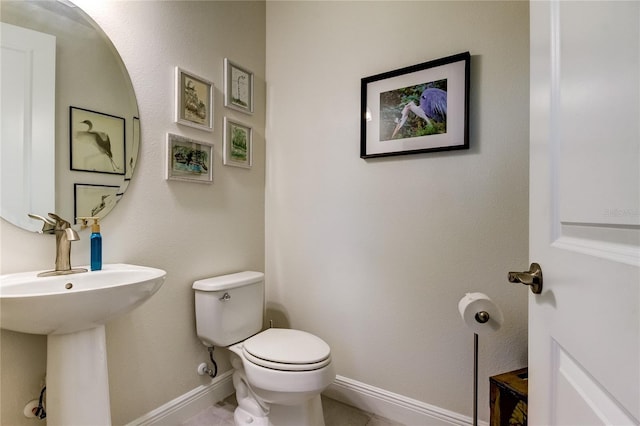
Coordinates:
(49, 226)
(60, 222)
(63, 225)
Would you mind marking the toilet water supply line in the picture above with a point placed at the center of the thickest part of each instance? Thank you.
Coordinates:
(39, 411)
(204, 368)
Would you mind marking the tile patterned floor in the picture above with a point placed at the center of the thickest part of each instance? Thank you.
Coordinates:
(335, 414)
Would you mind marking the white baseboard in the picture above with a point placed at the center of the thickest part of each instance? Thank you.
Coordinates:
(393, 406)
(368, 398)
(189, 404)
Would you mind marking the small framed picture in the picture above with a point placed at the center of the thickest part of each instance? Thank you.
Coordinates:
(189, 160)
(134, 148)
(238, 144)
(97, 142)
(421, 108)
(238, 87)
(94, 200)
(194, 100)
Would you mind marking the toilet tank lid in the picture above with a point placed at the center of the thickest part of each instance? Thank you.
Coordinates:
(225, 282)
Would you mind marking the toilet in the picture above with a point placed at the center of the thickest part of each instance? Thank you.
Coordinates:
(278, 373)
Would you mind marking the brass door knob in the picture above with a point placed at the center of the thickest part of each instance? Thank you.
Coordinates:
(532, 278)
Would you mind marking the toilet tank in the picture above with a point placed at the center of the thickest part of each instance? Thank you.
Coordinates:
(229, 308)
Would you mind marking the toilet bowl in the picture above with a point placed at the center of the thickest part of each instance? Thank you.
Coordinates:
(282, 367)
(278, 373)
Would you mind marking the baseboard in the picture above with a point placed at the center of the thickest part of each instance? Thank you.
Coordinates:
(189, 404)
(368, 398)
(393, 406)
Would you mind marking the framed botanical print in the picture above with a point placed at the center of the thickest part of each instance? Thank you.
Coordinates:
(238, 144)
(238, 87)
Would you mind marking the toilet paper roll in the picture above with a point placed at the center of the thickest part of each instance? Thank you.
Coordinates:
(473, 303)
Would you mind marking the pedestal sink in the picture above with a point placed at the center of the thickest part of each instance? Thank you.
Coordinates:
(72, 310)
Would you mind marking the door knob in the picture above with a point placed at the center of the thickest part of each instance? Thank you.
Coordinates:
(532, 278)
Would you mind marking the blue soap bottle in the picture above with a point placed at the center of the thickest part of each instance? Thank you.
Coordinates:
(96, 245)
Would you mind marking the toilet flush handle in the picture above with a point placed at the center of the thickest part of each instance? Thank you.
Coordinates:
(225, 297)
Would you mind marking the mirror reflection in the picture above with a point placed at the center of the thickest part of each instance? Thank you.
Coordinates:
(70, 127)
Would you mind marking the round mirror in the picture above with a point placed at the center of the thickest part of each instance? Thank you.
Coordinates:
(70, 126)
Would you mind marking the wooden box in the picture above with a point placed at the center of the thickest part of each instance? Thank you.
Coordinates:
(508, 393)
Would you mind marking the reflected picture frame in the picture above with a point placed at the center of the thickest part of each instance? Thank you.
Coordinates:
(135, 148)
(238, 87)
(92, 200)
(97, 142)
(193, 100)
(238, 144)
(188, 159)
(417, 109)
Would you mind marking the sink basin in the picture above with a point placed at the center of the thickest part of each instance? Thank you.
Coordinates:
(70, 303)
(72, 310)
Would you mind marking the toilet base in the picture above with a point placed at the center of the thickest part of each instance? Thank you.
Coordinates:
(242, 417)
(307, 414)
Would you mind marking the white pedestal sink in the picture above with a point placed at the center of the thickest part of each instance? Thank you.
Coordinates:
(72, 310)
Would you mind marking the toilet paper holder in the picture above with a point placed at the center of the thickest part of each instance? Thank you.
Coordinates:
(482, 317)
(532, 278)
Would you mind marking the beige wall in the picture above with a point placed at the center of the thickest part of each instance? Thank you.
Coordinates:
(373, 256)
(190, 230)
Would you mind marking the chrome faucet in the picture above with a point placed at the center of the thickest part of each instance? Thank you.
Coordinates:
(54, 224)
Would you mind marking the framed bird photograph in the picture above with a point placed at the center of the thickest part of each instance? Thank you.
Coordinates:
(188, 159)
(194, 100)
(416, 109)
(97, 142)
(94, 200)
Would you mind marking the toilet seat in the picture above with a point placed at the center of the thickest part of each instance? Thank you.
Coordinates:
(287, 350)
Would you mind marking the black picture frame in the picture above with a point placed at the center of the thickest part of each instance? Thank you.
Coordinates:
(97, 142)
(416, 109)
(94, 200)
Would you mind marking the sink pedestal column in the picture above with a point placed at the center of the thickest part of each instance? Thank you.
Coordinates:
(77, 379)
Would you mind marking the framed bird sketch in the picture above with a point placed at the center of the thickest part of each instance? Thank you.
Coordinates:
(194, 100)
(134, 146)
(188, 159)
(94, 200)
(416, 109)
(238, 144)
(97, 141)
(238, 87)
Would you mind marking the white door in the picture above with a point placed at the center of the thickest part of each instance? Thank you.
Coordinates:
(584, 329)
(28, 137)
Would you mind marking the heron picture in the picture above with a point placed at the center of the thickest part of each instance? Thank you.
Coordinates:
(97, 141)
(237, 144)
(194, 100)
(188, 159)
(416, 109)
(413, 111)
(94, 200)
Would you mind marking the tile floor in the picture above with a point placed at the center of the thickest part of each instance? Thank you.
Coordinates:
(335, 414)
